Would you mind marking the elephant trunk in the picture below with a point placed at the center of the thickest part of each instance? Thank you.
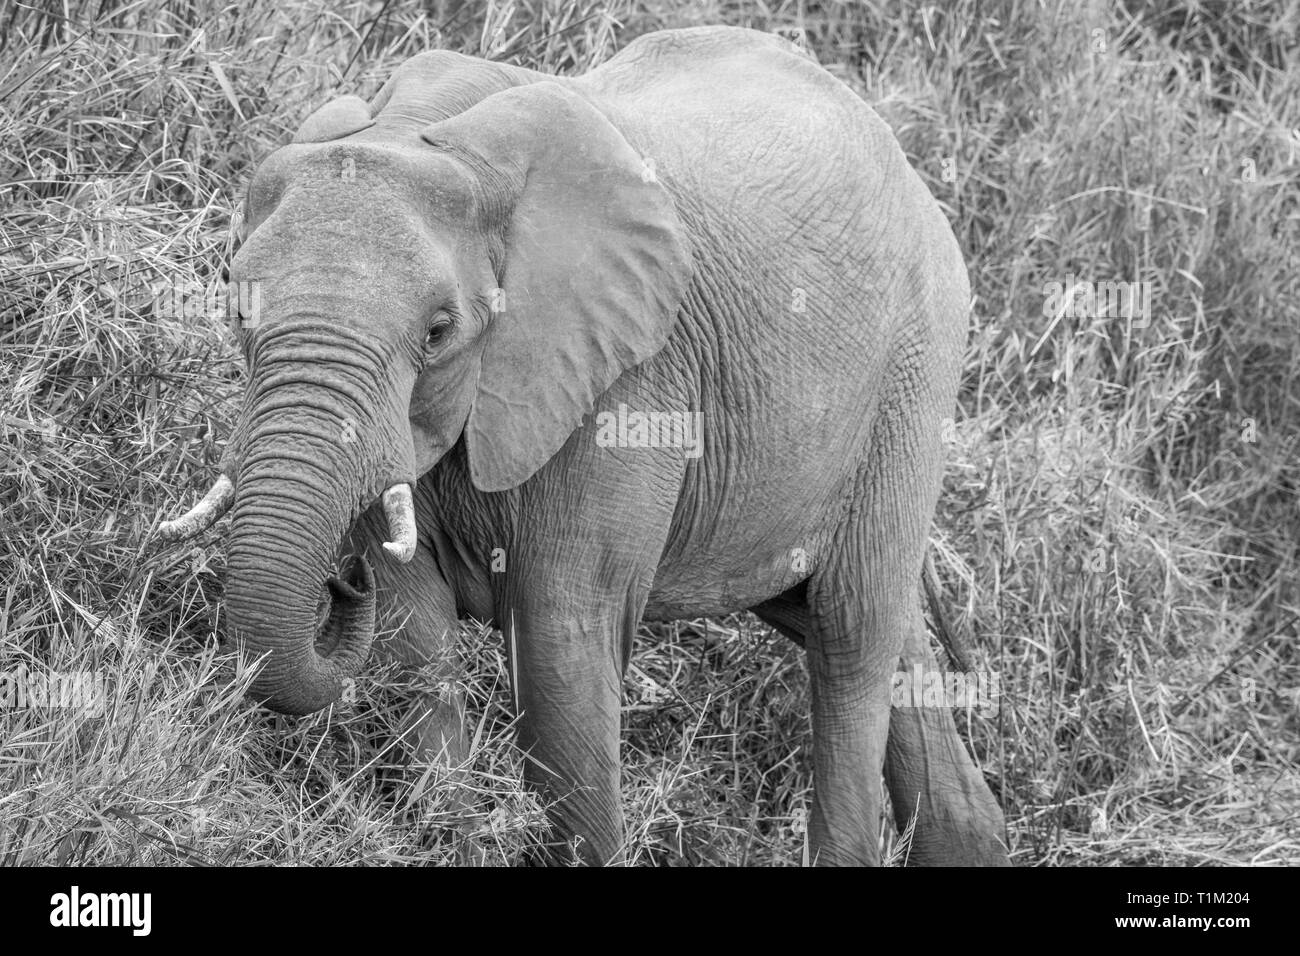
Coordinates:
(317, 446)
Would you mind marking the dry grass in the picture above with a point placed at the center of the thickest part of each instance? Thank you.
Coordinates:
(1118, 550)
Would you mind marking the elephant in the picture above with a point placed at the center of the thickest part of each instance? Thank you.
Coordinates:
(674, 338)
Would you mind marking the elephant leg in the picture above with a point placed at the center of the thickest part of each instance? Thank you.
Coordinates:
(927, 768)
(416, 606)
(856, 625)
(577, 581)
(929, 774)
(569, 694)
(862, 605)
(850, 622)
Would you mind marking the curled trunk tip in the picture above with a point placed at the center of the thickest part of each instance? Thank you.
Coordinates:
(306, 679)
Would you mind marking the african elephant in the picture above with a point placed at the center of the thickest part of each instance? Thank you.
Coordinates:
(671, 339)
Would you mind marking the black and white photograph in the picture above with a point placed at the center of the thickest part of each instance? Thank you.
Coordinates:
(650, 433)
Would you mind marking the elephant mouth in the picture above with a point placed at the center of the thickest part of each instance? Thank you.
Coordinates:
(351, 586)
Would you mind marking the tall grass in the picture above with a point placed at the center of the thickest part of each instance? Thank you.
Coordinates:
(1117, 537)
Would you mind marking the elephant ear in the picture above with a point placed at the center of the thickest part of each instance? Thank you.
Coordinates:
(596, 265)
(336, 119)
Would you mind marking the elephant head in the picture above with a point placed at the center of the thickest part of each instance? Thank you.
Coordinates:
(482, 277)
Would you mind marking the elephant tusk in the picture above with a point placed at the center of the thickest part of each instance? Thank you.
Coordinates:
(400, 510)
(202, 516)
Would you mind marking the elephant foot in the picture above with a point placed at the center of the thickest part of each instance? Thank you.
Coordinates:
(965, 840)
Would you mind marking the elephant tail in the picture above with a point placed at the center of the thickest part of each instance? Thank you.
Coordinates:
(956, 646)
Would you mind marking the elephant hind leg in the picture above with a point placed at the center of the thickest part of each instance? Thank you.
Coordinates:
(927, 769)
(857, 613)
(930, 775)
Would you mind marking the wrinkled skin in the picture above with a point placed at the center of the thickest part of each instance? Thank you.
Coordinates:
(456, 279)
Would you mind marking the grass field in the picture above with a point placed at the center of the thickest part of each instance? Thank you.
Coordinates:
(1117, 539)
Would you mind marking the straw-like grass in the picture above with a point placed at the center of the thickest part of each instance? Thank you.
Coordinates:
(1117, 539)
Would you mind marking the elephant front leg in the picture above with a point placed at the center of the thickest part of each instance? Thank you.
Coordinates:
(590, 533)
(418, 610)
(568, 693)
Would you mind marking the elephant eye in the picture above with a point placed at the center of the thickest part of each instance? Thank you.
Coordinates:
(439, 331)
